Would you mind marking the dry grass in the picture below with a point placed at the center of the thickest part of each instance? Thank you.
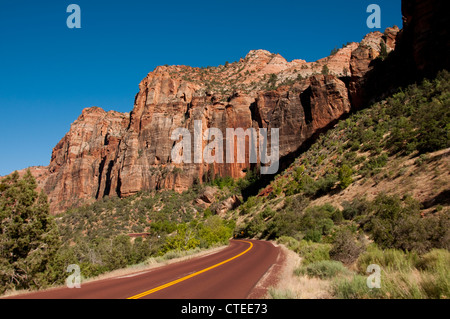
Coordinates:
(291, 286)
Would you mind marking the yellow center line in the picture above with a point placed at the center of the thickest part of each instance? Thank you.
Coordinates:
(148, 292)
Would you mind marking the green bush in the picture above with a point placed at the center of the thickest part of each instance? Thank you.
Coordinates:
(290, 242)
(357, 207)
(214, 230)
(396, 223)
(324, 184)
(287, 221)
(313, 235)
(313, 252)
(375, 164)
(317, 221)
(345, 176)
(324, 269)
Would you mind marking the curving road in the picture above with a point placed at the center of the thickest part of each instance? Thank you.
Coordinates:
(229, 274)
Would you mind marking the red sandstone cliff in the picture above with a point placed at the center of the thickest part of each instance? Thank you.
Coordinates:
(115, 154)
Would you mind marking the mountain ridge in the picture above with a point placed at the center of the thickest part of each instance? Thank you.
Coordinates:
(120, 154)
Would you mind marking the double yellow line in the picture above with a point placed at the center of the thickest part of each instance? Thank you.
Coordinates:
(148, 292)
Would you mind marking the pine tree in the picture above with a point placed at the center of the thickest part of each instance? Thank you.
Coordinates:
(28, 235)
(325, 70)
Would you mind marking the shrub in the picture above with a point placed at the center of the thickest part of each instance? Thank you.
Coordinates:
(345, 176)
(356, 207)
(324, 269)
(316, 221)
(290, 242)
(398, 224)
(214, 230)
(375, 164)
(307, 185)
(287, 222)
(437, 227)
(313, 235)
(383, 51)
(272, 81)
(345, 248)
(324, 184)
(256, 226)
(313, 252)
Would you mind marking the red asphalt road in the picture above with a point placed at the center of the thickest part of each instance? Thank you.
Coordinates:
(234, 279)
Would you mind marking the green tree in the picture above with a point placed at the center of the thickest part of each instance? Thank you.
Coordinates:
(214, 230)
(383, 52)
(345, 176)
(28, 235)
(184, 239)
(325, 70)
(273, 81)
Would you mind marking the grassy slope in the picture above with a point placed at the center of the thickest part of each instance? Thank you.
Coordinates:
(398, 146)
(368, 191)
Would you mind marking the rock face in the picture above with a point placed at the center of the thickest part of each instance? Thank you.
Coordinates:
(422, 48)
(363, 62)
(116, 154)
(425, 38)
(82, 162)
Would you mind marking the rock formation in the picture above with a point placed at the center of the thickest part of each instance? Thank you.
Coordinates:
(425, 39)
(116, 154)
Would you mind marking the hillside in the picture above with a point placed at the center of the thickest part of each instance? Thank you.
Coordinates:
(398, 146)
(372, 190)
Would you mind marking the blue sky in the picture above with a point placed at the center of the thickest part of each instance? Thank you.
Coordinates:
(49, 73)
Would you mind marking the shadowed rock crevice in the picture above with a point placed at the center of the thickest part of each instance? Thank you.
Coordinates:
(100, 174)
(108, 179)
(305, 98)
